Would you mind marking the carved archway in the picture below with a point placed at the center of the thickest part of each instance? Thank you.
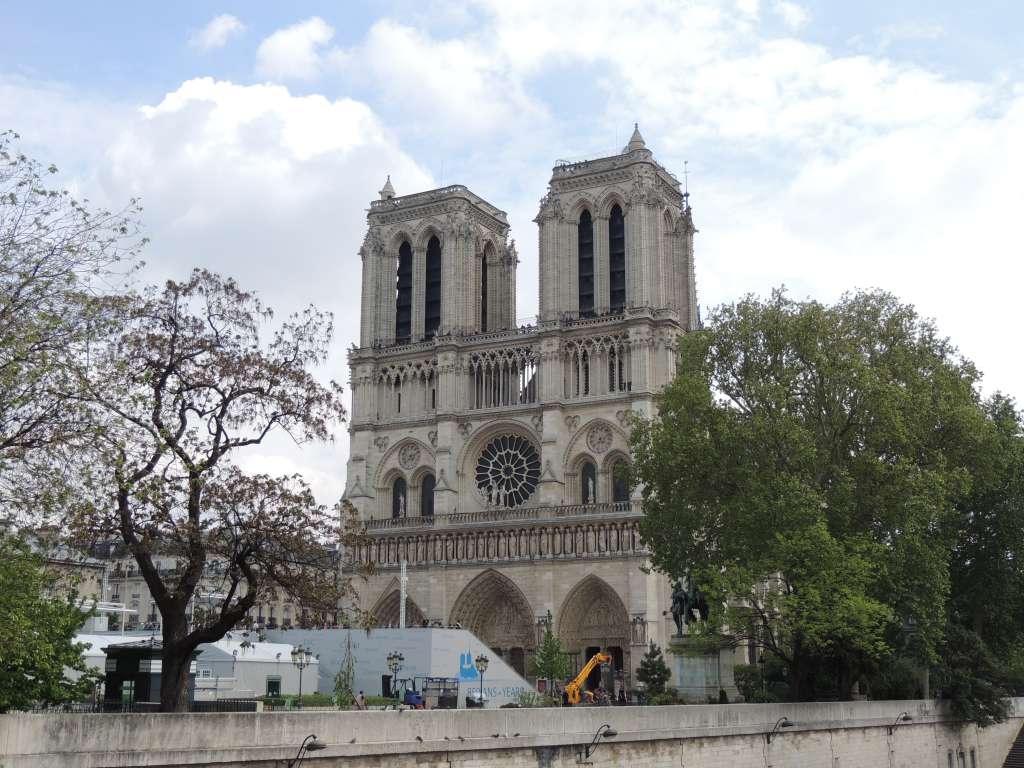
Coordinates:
(386, 611)
(494, 609)
(593, 615)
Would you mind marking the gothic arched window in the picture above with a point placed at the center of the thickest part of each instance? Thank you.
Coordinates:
(620, 481)
(483, 290)
(398, 498)
(427, 496)
(403, 298)
(586, 264)
(588, 483)
(617, 259)
(432, 295)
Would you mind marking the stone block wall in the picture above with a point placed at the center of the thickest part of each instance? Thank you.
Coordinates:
(825, 735)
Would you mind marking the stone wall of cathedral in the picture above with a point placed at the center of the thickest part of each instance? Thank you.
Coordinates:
(490, 458)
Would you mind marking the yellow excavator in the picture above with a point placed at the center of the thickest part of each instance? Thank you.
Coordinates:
(574, 689)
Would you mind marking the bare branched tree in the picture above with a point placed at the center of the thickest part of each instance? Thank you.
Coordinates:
(181, 382)
(56, 255)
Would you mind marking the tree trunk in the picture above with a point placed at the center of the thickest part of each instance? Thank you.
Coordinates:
(796, 671)
(174, 668)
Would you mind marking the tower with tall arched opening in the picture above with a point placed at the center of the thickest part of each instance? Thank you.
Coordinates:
(490, 453)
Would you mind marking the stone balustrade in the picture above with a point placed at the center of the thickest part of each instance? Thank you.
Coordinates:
(505, 536)
(503, 516)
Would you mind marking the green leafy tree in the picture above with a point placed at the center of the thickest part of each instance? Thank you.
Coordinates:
(550, 661)
(805, 466)
(37, 631)
(986, 612)
(344, 681)
(653, 671)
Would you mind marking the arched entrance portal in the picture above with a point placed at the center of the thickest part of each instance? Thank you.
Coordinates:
(494, 609)
(386, 611)
(593, 618)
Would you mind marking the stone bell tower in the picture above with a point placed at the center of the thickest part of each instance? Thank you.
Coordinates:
(490, 457)
(616, 235)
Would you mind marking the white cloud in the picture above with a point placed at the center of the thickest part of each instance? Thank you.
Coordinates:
(793, 16)
(443, 85)
(295, 52)
(217, 32)
(251, 181)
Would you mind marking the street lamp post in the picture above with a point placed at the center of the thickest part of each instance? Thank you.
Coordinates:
(395, 662)
(309, 744)
(481, 663)
(301, 658)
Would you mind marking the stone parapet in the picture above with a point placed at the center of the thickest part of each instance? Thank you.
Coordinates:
(847, 734)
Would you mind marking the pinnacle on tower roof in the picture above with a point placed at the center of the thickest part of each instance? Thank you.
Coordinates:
(636, 141)
(388, 191)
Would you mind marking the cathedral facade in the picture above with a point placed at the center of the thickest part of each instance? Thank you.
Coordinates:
(488, 454)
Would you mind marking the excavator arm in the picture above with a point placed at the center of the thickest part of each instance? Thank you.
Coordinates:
(573, 689)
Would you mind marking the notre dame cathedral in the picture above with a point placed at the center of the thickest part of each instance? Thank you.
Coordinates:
(488, 454)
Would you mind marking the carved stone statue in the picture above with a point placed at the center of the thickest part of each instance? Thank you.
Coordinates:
(591, 491)
(401, 506)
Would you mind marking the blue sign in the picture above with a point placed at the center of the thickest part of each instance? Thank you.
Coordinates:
(467, 671)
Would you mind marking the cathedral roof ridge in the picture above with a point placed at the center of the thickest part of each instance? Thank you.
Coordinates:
(433, 195)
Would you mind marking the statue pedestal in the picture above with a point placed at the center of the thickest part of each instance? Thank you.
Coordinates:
(699, 672)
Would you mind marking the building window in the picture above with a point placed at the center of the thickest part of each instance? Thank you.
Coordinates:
(586, 264)
(974, 758)
(427, 496)
(617, 259)
(620, 481)
(398, 497)
(205, 673)
(588, 483)
(508, 471)
(949, 758)
(483, 292)
(432, 297)
(403, 298)
(273, 686)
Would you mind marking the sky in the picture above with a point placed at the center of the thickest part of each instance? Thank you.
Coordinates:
(829, 146)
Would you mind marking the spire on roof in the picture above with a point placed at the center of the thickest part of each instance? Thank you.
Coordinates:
(636, 141)
(388, 191)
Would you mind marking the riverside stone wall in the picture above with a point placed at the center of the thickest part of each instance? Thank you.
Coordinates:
(825, 735)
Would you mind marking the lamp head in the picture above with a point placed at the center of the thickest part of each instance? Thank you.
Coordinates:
(610, 733)
(315, 745)
(905, 717)
(786, 723)
(481, 663)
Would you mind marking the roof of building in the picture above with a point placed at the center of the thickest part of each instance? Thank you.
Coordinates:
(636, 141)
(250, 649)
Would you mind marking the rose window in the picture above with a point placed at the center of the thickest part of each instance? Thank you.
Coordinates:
(508, 471)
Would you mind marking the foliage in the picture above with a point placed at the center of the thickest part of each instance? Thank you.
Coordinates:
(180, 382)
(56, 254)
(665, 698)
(533, 699)
(986, 612)
(37, 643)
(550, 661)
(748, 682)
(344, 681)
(291, 701)
(805, 466)
(898, 678)
(653, 671)
(378, 701)
(969, 678)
